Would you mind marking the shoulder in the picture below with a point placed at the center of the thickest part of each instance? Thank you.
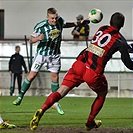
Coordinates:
(122, 39)
(41, 24)
(21, 56)
(13, 55)
(103, 27)
(61, 19)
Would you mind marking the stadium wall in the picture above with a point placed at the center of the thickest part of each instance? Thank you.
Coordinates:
(22, 15)
(119, 85)
(120, 78)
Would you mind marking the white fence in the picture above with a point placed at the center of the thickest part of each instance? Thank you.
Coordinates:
(119, 77)
(119, 85)
(69, 51)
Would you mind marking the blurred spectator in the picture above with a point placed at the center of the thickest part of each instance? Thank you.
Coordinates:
(81, 31)
(16, 63)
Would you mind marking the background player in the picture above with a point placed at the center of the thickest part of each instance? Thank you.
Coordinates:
(16, 63)
(81, 31)
(89, 68)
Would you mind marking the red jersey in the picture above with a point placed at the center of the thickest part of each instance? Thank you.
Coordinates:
(104, 44)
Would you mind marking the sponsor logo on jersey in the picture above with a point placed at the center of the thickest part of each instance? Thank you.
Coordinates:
(95, 50)
(54, 34)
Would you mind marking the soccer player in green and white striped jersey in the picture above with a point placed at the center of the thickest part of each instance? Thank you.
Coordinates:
(49, 34)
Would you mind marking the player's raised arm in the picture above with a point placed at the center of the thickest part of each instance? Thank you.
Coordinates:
(70, 24)
(125, 57)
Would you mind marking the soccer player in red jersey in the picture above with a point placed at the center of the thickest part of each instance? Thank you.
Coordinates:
(89, 67)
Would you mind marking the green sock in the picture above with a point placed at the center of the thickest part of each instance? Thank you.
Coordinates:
(54, 86)
(25, 87)
(11, 90)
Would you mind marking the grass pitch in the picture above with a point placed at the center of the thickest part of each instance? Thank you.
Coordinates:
(116, 112)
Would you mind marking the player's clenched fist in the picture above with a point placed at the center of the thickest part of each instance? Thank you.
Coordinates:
(41, 37)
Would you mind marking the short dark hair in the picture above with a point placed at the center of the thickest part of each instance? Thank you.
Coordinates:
(117, 20)
(17, 47)
(51, 11)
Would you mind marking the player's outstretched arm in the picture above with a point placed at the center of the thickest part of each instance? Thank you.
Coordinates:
(70, 24)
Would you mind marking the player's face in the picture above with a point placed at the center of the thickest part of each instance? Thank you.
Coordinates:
(17, 49)
(79, 20)
(52, 19)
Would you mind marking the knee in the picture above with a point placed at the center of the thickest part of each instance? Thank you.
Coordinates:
(54, 77)
(103, 94)
(31, 76)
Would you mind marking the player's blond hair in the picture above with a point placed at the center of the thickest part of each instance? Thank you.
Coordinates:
(51, 11)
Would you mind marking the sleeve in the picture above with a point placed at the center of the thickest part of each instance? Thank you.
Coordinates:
(87, 30)
(62, 21)
(75, 28)
(37, 31)
(10, 63)
(125, 57)
(24, 65)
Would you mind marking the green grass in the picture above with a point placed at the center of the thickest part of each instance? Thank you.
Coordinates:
(116, 112)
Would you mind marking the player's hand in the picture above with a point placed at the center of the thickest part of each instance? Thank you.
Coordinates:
(41, 37)
(35, 39)
(75, 33)
(85, 21)
(10, 72)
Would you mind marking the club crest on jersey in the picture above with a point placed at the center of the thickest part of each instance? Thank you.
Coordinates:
(54, 34)
(95, 50)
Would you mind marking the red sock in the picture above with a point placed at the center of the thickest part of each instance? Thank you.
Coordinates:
(95, 108)
(52, 98)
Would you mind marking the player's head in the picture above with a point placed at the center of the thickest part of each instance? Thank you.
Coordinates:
(79, 18)
(52, 16)
(17, 49)
(117, 20)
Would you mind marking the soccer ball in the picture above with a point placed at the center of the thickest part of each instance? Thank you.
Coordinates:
(95, 16)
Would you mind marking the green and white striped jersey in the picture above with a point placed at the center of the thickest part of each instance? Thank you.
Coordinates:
(50, 45)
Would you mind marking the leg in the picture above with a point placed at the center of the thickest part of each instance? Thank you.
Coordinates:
(53, 65)
(52, 98)
(55, 81)
(68, 83)
(12, 86)
(27, 82)
(54, 88)
(95, 109)
(5, 125)
(19, 79)
(25, 87)
(100, 87)
(55, 97)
